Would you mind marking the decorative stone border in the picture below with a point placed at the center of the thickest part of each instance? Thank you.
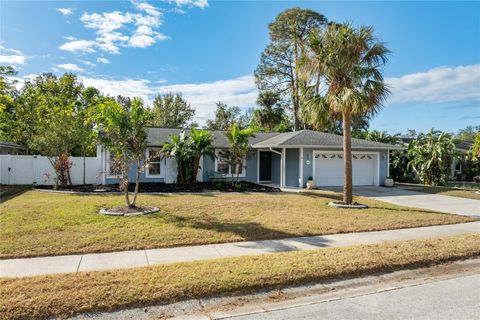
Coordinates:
(347, 206)
(107, 212)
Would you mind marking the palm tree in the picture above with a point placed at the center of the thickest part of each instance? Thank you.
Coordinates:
(200, 145)
(350, 60)
(270, 113)
(239, 148)
(179, 147)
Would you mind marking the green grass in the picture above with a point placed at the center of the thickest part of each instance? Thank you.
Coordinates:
(446, 191)
(39, 223)
(68, 294)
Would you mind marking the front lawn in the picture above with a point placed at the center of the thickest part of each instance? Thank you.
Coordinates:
(446, 191)
(39, 223)
(64, 295)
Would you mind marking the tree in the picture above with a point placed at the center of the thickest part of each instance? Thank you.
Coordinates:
(239, 147)
(54, 101)
(431, 155)
(351, 61)
(468, 133)
(278, 69)
(476, 147)
(225, 117)
(188, 150)
(8, 93)
(172, 111)
(380, 136)
(121, 128)
(270, 114)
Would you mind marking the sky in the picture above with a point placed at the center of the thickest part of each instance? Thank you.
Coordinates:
(208, 51)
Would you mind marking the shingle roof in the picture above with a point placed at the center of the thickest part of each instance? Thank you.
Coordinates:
(159, 136)
(308, 138)
(5, 144)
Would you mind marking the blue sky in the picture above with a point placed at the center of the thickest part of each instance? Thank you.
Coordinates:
(208, 50)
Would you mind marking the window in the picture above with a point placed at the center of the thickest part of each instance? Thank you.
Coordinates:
(222, 166)
(114, 165)
(154, 157)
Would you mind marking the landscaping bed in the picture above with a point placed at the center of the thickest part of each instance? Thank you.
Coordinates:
(146, 187)
(43, 223)
(65, 295)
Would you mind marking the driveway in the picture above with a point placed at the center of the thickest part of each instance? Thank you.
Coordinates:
(435, 202)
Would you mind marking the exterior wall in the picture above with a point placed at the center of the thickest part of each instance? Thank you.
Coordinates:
(276, 168)
(132, 172)
(292, 167)
(250, 170)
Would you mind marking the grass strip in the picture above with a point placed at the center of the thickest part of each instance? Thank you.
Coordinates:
(68, 294)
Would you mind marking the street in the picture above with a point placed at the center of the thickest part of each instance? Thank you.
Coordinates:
(457, 298)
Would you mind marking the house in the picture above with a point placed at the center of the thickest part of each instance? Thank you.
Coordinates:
(11, 148)
(284, 159)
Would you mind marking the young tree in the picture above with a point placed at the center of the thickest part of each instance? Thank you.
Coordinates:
(121, 128)
(351, 61)
(431, 155)
(188, 150)
(278, 69)
(8, 93)
(239, 148)
(172, 111)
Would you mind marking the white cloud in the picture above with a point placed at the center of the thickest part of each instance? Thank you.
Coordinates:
(65, 11)
(88, 63)
(103, 60)
(12, 59)
(126, 87)
(69, 67)
(140, 41)
(203, 97)
(106, 22)
(17, 58)
(191, 3)
(443, 84)
(82, 46)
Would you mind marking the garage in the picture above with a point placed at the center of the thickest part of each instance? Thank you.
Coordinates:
(328, 168)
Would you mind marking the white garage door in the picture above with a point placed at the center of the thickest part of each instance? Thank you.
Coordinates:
(328, 170)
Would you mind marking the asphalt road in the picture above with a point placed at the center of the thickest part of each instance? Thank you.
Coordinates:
(457, 298)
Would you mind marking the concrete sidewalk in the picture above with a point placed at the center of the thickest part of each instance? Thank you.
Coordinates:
(139, 258)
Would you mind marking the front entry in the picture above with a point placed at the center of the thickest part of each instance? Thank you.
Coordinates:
(265, 166)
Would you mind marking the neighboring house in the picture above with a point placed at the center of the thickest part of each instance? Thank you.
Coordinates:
(457, 167)
(11, 148)
(284, 159)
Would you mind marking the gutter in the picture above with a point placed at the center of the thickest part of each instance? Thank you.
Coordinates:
(275, 151)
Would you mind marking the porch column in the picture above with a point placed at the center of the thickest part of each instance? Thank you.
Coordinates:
(300, 169)
(388, 163)
(282, 169)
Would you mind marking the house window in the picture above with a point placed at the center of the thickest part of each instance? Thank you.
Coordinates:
(222, 166)
(154, 157)
(114, 165)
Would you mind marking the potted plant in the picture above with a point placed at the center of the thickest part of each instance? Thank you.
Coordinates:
(389, 182)
(310, 183)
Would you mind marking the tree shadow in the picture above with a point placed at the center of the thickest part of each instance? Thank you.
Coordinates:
(10, 192)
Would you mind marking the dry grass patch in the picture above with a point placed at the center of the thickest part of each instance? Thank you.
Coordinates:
(69, 294)
(39, 223)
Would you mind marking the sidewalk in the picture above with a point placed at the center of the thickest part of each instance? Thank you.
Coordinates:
(139, 258)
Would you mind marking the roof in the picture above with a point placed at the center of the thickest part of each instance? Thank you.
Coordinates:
(463, 146)
(160, 136)
(303, 138)
(309, 138)
(11, 145)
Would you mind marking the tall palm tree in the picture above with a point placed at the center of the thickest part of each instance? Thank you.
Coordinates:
(351, 61)
(270, 113)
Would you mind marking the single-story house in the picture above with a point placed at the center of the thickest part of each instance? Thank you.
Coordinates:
(283, 159)
(11, 148)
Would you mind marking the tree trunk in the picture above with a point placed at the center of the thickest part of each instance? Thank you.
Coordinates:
(347, 159)
(137, 183)
(126, 183)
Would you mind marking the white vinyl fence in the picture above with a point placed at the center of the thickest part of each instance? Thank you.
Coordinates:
(18, 169)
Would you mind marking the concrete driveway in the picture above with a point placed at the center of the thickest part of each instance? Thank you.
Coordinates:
(435, 202)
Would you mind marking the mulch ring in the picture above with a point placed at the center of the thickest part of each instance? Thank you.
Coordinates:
(128, 211)
(146, 187)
